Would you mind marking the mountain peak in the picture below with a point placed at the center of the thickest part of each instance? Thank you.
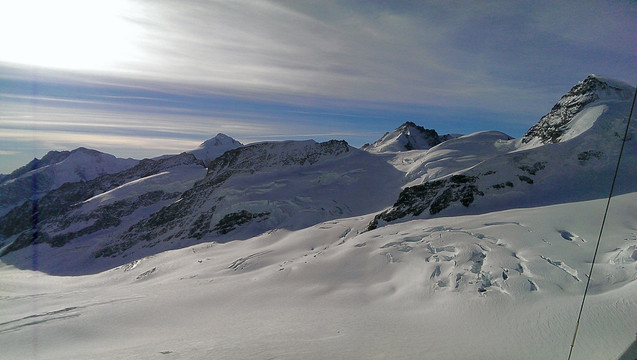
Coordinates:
(593, 89)
(51, 158)
(407, 136)
(408, 124)
(215, 147)
(602, 87)
(219, 139)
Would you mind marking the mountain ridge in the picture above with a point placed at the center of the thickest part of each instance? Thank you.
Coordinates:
(250, 189)
(56, 168)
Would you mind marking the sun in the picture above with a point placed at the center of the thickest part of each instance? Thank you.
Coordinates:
(70, 34)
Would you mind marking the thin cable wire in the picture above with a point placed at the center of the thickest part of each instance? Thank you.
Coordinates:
(601, 228)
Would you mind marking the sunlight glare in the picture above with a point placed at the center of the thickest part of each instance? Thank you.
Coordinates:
(70, 34)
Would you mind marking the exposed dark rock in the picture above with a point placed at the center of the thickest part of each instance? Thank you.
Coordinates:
(201, 226)
(533, 169)
(230, 221)
(408, 136)
(526, 179)
(503, 185)
(584, 156)
(434, 196)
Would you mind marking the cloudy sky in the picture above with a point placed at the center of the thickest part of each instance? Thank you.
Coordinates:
(144, 78)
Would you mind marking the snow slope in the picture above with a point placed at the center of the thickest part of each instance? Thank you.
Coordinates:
(503, 285)
(451, 156)
(569, 117)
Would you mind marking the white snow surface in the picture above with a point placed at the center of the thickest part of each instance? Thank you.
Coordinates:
(453, 155)
(177, 179)
(404, 291)
(55, 169)
(583, 121)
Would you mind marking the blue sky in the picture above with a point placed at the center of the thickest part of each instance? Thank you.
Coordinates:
(145, 78)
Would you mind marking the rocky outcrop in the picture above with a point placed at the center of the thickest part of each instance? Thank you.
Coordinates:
(432, 196)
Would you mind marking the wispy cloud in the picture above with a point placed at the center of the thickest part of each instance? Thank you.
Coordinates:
(484, 55)
(275, 69)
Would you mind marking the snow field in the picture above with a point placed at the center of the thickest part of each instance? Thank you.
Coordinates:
(335, 291)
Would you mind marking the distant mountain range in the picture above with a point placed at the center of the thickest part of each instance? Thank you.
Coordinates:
(40, 176)
(85, 211)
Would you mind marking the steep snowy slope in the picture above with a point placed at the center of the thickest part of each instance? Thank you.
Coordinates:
(54, 169)
(52, 219)
(575, 164)
(266, 186)
(407, 136)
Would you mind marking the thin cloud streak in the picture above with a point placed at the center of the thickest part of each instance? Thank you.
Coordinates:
(45, 118)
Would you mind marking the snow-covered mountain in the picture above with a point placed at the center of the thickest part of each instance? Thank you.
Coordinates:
(244, 192)
(107, 204)
(40, 176)
(412, 243)
(580, 155)
(578, 110)
(174, 201)
(215, 147)
(407, 136)
(267, 186)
